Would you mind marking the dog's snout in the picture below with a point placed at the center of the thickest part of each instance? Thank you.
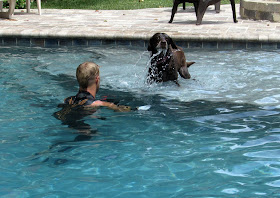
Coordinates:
(163, 44)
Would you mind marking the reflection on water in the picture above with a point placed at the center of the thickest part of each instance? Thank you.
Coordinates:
(216, 136)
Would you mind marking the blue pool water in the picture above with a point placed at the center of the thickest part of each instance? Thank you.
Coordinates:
(215, 136)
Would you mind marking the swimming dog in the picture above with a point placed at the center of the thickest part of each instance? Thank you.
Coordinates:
(167, 59)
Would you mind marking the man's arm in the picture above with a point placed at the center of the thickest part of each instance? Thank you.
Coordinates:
(110, 105)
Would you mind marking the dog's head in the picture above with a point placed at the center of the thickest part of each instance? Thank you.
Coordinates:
(160, 41)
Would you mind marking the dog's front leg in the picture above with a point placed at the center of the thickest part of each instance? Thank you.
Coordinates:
(177, 83)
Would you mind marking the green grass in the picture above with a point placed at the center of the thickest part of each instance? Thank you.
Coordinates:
(109, 4)
(105, 4)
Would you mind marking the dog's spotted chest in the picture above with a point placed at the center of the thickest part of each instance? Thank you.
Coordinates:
(162, 68)
(162, 61)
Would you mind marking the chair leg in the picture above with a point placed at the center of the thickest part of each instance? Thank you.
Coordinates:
(232, 2)
(39, 6)
(201, 11)
(12, 6)
(1, 6)
(218, 7)
(174, 10)
(8, 15)
(28, 6)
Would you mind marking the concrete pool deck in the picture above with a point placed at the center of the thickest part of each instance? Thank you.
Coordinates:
(139, 25)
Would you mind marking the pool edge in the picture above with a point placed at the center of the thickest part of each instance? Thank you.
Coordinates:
(190, 43)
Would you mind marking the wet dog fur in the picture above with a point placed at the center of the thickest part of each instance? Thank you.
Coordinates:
(167, 60)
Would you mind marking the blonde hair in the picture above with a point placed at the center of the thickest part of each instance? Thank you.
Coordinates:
(86, 74)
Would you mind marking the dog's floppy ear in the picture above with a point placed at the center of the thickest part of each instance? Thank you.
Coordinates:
(172, 43)
(151, 43)
(150, 47)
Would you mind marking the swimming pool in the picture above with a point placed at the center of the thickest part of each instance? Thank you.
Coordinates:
(215, 136)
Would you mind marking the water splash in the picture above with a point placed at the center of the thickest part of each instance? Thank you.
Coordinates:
(235, 76)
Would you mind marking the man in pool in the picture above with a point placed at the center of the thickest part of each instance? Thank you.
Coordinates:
(83, 104)
(87, 75)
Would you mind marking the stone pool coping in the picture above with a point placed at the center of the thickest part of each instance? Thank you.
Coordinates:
(260, 10)
(135, 27)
